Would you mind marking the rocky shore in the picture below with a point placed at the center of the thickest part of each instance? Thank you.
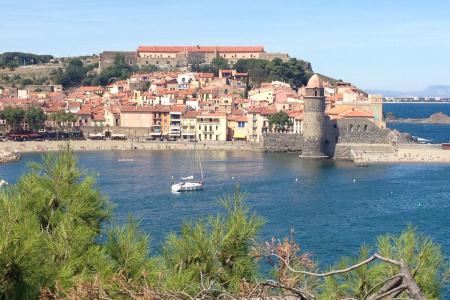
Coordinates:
(8, 156)
(437, 118)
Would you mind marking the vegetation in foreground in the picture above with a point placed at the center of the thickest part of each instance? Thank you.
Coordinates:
(57, 241)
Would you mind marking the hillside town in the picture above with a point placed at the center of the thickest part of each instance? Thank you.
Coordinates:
(192, 106)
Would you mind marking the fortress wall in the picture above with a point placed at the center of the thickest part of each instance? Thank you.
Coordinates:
(362, 131)
(282, 142)
(107, 58)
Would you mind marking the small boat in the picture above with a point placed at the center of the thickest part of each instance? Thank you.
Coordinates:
(3, 182)
(188, 183)
(125, 160)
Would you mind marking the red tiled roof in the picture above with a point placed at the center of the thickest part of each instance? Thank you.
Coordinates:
(90, 89)
(210, 49)
(192, 114)
(85, 110)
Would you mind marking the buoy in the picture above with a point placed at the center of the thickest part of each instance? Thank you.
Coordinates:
(420, 205)
(98, 174)
(232, 177)
(354, 180)
(296, 179)
(392, 193)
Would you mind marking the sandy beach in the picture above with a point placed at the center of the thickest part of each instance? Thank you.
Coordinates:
(405, 153)
(112, 145)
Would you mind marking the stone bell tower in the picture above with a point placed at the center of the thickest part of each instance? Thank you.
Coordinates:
(314, 119)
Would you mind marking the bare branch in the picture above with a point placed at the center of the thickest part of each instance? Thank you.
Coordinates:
(337, 272)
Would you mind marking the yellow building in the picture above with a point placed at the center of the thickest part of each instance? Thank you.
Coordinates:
(237, 127)
(212, 126)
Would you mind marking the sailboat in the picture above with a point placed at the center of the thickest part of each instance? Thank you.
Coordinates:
(188, 183)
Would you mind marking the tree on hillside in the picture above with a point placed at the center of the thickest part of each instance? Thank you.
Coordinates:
(295, 72)
(73, 75)
(118, 71)
(219, 63)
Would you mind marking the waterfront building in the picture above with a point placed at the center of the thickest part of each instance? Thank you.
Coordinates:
(237, 127)
(212, 126)
(175, 115)
(258, 122)
(189, 124)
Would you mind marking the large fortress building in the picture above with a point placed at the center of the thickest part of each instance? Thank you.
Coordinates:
(181, 56)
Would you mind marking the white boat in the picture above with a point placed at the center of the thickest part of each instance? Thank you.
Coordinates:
(188, 183)
(3, 182)
(125, 160)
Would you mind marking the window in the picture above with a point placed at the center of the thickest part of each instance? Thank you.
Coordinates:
(365, 128)
(335, 126)
(351, 127)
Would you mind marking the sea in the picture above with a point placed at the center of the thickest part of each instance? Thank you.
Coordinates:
(434, 133)
(332, 207)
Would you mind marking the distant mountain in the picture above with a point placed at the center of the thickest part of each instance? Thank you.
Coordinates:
(442, 91)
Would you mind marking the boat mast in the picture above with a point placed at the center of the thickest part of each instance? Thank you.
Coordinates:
(201, 170)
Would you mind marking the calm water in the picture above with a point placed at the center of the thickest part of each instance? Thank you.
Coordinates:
(331, 213)
(436, 133)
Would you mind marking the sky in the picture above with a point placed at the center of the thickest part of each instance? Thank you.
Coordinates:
(375, 44)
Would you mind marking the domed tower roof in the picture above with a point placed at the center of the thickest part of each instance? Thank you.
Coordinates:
(314, 82)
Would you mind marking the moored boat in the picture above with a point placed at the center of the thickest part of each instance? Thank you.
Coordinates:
(188, 183)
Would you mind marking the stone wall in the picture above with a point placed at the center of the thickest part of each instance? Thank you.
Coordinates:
(130, 132)
(272, 56)
(282, 142)
(362, 131)
(107, 58)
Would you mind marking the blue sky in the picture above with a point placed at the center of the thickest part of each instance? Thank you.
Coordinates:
(403, 45)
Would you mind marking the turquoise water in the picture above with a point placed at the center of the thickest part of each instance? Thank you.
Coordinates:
(331, 214)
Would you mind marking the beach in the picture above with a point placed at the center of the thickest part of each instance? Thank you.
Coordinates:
(404, 153)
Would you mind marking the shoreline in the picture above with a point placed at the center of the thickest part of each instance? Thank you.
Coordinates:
(119, 145)
(369, 154)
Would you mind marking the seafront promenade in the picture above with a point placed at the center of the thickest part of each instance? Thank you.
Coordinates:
(117, 145)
